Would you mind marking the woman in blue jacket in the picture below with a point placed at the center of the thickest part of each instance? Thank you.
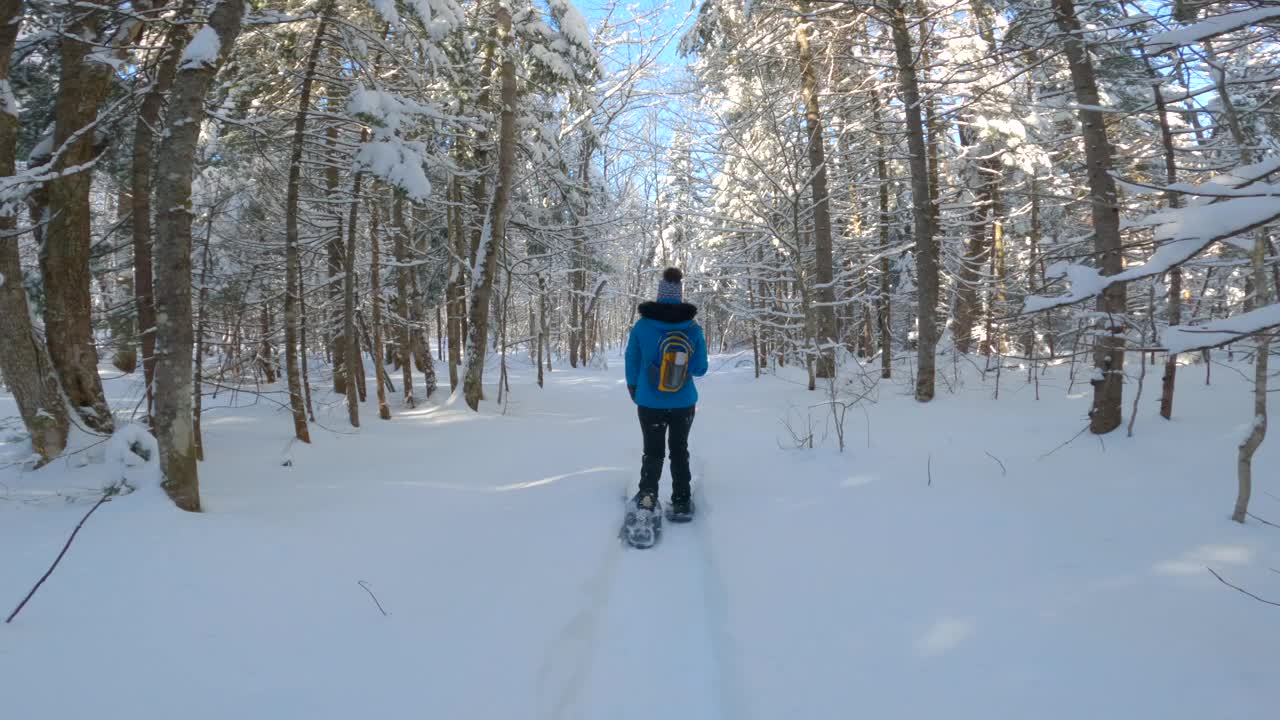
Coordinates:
(666, 350)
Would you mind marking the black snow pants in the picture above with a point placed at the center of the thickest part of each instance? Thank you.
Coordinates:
(656, 425)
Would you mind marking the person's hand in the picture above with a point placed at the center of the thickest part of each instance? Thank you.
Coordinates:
(632, 390)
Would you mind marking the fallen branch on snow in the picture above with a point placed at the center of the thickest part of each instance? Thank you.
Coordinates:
(1004, 472)
(365, 585)
(106, 497)
(1240, 589)
(1262, 520)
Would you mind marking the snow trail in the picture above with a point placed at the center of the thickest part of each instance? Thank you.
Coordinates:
(644, 638)
(566, 670)
(811, 584)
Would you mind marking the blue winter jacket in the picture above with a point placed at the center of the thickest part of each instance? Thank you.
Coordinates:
(656, 320)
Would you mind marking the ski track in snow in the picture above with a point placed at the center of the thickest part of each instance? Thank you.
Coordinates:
(715, 597)
(566, 669)
(648, 626)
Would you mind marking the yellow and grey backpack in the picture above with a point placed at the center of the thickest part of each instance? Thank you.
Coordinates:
(671, 371)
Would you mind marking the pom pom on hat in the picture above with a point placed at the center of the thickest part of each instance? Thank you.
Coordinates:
(669, 289)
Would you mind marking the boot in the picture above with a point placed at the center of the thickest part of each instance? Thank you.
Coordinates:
(681, 507)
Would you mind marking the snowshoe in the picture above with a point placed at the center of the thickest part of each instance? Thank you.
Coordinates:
(642, 525)
(680, 510)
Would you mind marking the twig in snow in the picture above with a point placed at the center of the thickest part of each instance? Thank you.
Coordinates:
(1004, 472)
(106, 497)
(1264, 522)
(1073, 439)
(365, 585)
(1236, 587)
(929, 469)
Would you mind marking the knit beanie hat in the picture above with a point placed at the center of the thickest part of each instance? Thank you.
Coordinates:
(669, 288)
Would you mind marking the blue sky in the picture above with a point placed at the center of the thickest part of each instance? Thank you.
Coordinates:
(593, 10)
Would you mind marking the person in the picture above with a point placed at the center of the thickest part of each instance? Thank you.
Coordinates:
(665, 351)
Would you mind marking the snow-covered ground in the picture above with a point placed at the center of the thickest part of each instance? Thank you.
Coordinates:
(949, 564)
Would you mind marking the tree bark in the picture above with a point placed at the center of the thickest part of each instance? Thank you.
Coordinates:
(143, 162)
(83, 82)
(405, 330)
(350, 340)
(336, 264)
(24, 361)
(302, 341)
(824, 292)
(266, 356)
(1108, 383)
(375, 298)
(544, 331)
(173, 259)
(292, 258)
(1258, 430)
(421, 332)
(455, 298)
(1168, 381)
(883, 305)
(921, 204)
(487, 254)
(197, 367)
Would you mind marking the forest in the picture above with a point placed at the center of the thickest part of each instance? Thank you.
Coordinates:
(375, 232)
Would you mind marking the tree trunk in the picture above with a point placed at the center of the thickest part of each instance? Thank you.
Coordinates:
(292, 258)
(421, 332)
(575, 298)
(336, 258)
(143, 161)
(1258, 430)
(302, 341)
(119, 294)
(440, 322)
(967, 304)
(405, 333)
(350, 340)
(824, 292)
(375, 297)
(24, 360)
(197, 369)
(64, 261)
(544, 331)
(455, 300)
(1168, 382)
(883, 304)
(487, 255)
(1108, 384)
(266, 356)
(589, 316)
(173, 259)
(922, 207)
(991, 196)
(1036, 267)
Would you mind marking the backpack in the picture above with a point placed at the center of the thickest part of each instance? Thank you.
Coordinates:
(671, 371)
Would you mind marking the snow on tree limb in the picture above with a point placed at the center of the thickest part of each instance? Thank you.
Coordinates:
(1181, 233)
(1210, 28)
(1184, 233)
(1185, 338)
(387, 154)
(202, 50)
